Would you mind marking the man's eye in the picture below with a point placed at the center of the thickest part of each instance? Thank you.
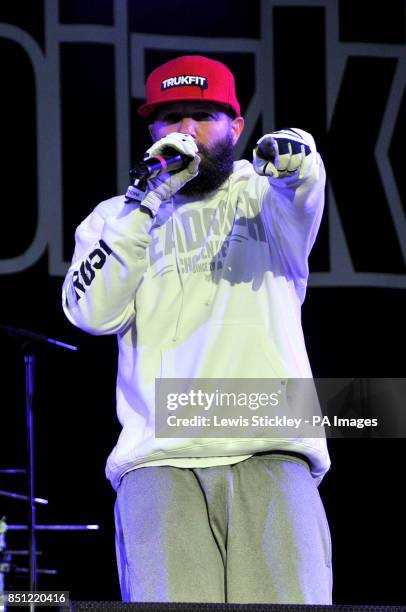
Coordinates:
(171, 118)
(197, 116)
(202, 116)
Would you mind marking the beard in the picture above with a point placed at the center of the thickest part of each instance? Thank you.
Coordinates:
(215, 167)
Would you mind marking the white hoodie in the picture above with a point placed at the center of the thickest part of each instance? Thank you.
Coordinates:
(211, 288)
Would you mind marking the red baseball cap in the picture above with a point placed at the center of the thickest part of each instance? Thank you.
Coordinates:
(190, 77)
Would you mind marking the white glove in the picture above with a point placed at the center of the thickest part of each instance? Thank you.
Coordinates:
(283, 153)
(164, 186)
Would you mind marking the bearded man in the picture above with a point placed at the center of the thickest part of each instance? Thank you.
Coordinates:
(201, 271)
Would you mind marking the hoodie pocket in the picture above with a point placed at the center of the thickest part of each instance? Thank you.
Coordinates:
(223, 351)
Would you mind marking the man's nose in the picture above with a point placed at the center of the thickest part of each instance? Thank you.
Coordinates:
(187, 125)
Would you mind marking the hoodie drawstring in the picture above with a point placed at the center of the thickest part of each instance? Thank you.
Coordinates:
(183, 279)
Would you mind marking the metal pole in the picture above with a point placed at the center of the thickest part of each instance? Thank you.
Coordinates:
(29, 361)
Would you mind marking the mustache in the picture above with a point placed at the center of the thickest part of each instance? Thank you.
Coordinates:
(202, 149)
(216, 150)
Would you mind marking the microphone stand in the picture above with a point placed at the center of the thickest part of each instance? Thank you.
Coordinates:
(29, 361)
(27, 340)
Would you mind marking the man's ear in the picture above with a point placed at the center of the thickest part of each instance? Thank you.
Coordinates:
(237, 126)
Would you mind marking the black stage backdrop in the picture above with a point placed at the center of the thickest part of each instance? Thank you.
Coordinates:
(72, 76)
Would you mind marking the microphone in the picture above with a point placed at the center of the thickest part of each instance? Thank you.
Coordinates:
(169, 161)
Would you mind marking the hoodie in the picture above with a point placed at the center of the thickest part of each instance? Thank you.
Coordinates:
(211, 288)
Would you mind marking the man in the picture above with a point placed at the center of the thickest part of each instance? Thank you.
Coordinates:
(201, 273)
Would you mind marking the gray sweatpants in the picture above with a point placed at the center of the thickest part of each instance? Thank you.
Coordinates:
(252, 532)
